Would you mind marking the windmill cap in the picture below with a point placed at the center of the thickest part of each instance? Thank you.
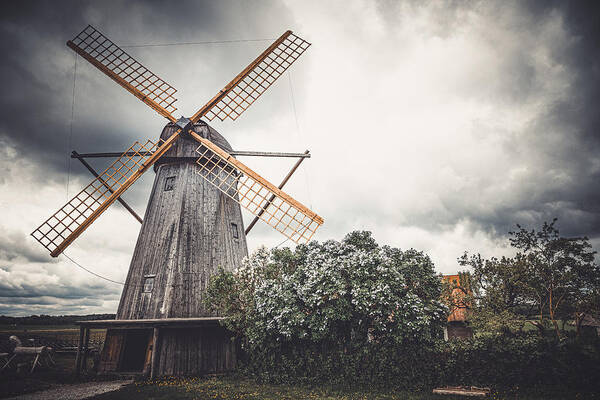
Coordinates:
(184, 148)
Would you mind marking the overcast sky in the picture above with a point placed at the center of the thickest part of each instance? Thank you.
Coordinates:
(437, 125)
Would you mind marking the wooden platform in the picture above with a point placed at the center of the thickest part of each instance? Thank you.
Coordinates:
(170, 341)
(149, 323)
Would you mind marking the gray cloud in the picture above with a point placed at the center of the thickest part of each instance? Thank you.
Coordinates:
(435, 125)
(15, 246)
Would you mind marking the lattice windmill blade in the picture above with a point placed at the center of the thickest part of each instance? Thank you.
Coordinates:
(65, 225)
(125, 70)
(254, 80)
(255, 193)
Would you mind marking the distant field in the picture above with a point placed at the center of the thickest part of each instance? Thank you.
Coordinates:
(59, 337)
(37, 328)
(45, 330)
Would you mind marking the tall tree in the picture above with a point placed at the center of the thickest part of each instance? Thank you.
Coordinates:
(560, 272)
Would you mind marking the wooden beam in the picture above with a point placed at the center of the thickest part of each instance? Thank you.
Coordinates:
(254, 175)
(233, 153)
(281, 185)
(86, 343)
(79, 347)
(268, 154)
(154, 357)
(150, 323)
(8, 362)
(115, 195)
(76, 155)
(130, 88)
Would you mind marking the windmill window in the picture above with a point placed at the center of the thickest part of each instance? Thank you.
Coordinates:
(148, 284)
(234, 231)
(169, 183)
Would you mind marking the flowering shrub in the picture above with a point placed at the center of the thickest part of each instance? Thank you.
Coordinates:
(345, 293)
(329, 303)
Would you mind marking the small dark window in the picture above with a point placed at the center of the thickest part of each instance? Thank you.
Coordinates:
(169, 183)
(148, 284)
(234, 231)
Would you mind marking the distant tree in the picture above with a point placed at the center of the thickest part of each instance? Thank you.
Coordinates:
(560, 273)
(496, 290)
(555, 277)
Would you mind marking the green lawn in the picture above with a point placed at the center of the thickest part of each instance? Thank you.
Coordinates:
(232, 388)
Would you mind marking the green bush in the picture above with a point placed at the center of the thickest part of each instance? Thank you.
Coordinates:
(500, 362)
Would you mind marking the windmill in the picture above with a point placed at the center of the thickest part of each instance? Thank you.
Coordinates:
(193, 223)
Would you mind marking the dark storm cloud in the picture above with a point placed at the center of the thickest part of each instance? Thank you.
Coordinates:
(37, 79)
(63, 291)
(38, 295)
(582, 145)
(567, 135)
(560, 148)
(36, 73)
(555, 152)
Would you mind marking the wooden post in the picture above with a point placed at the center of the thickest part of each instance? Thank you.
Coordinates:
(86, 342)
(8, 362)
(154, 358)
(79, 346)
(35, 362)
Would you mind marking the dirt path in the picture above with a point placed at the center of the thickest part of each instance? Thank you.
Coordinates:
(74, 392)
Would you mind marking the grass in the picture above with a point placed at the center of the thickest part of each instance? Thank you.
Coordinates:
(223, 387)
(237, 388)
(231, 387)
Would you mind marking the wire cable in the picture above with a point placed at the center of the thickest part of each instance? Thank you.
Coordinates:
(304, 167)
(282, 243)
(92, 272)
(197, 43)
(293, 101)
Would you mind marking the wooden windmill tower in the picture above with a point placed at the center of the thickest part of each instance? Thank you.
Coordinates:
(193, 223)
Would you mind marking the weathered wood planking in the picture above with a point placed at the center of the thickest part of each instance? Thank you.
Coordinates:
(186, 236)
(196, 351)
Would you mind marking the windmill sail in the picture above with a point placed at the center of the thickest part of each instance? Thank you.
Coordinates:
(58, 231)
(125, 70)
(254, 80)
(244, 186)
(255, 193)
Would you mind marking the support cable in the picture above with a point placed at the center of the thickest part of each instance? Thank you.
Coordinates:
(69, 143)
(305, 169)
(197, 43)
(91, 272)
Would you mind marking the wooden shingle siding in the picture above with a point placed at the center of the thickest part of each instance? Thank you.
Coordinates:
(186, 236)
